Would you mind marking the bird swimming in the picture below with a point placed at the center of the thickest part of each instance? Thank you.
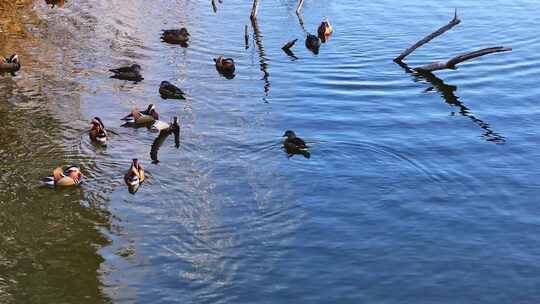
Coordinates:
(325, 30)
(70, 176)
(97, 132)
(225, 66)
(176, 36)
(132, 73)
(10, 64)
(168, 90)
(146, 117)
(295, 145)
(313, 43)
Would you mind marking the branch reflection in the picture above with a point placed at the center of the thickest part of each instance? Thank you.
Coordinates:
(447, 93)
(262, 55)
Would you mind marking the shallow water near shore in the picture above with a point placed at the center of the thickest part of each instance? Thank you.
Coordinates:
(416, 191)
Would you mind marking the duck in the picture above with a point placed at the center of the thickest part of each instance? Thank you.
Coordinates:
(132, 73)
(168, 90)
(59, 3)
(136, 117)
(97, 132)
(313, 43)
(325, 29)
(135, 175)
(225, 66)
(295, 145)
(10, 64)
(70, 176)
(176, 36)
(174, 128)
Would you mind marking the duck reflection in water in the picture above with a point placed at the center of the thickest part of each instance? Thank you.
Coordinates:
(59, 3)
(295, 145)
(135, 176)
(174, 128)
(447, 93)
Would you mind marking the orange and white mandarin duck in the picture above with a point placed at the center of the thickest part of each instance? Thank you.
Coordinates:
(70, 176)
(325, 29)
(97, 133)
(146, 117)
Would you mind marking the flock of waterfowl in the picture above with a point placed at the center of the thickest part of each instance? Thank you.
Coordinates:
(72, 175)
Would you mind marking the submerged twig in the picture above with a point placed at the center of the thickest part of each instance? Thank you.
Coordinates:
(451, 64)
(455, 21)
(246, 37)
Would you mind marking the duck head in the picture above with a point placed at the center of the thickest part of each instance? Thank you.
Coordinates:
(184, 32)
(152, 111)
(99, 129)
(74, 172)
(14, 59)
(135, 67)
(97, 123)
(289, 134)
(218, 60)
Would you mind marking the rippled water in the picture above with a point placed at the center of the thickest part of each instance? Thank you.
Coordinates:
(417, 190)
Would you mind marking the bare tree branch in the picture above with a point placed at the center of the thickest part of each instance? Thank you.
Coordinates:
(455, 21)
(254, 9)
(246, 37)
(451, 64)
(299, 7)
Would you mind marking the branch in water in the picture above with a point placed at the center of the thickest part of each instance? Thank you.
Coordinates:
(455, 21)
(299, 7)
(451, 64)
(254, 9)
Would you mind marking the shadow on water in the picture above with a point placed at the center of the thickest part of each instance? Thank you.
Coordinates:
(447, 93)
(49, 240)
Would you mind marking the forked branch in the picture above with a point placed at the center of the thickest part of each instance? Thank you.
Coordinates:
(455, 21)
